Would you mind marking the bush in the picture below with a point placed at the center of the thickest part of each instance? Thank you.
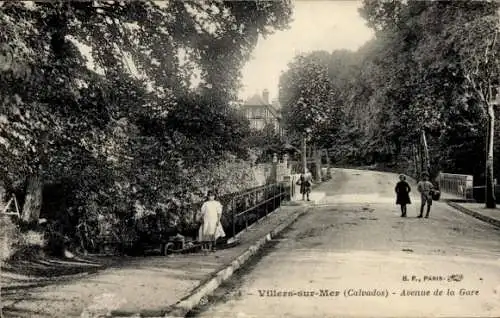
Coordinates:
(18, 244)
(10, 238)
(107, 205)
(56, 240)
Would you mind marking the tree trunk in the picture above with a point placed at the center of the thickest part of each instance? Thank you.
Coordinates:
(413, 161)
(328, 168)
(327, 161)
(426, 153)
(304, 154)
(397, 148)
(418, 168)
(420, 161)
(2, 193)
(317, 159)
(33, 199)
(490, 178)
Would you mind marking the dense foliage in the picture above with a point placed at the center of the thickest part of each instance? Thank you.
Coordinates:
(432, 66)
(100, 122)
(262, 144)
(309, 99)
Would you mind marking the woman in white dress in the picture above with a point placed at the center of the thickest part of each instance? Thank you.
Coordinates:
(211, 228)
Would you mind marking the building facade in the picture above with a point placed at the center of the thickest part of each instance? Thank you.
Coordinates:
(260, 112)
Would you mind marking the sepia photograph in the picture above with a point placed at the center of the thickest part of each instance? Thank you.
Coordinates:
(249, 158)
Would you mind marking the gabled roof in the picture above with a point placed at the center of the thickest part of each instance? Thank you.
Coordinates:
(256, 100)
(272, 110)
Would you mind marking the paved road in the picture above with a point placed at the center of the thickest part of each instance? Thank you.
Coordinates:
(357, 243)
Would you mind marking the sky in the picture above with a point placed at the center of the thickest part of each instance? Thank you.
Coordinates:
(317, 25)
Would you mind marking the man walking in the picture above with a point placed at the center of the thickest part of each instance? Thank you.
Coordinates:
(425, 188)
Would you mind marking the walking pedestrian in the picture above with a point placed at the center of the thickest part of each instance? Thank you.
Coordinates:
(403, 190)
(425, 187)
(305, 183)
(211, 227)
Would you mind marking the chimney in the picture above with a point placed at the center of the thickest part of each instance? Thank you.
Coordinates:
(265, 96)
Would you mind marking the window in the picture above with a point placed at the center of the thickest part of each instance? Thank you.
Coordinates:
(260, 124)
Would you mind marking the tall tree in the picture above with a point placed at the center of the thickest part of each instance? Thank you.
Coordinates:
(75, 109)
(421, 42)
(477, 42)
(309, 102)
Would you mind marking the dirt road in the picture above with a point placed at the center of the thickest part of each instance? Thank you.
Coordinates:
(355, 256)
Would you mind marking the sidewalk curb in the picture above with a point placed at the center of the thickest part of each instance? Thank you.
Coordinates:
(276, 210)
(257, 222)
(181, 308)
(475, 214)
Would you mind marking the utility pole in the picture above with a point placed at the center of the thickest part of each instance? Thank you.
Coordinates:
(304, 154)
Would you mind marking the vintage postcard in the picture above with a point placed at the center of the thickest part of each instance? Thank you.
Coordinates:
(211, 158)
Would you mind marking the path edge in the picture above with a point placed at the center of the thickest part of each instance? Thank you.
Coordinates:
(181, 308)
(474, 214)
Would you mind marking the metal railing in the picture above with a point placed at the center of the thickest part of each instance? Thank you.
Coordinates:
(459, 185)
(240, 210)
(244, 208)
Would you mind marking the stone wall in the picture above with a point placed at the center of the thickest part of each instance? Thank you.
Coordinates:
(264, 172)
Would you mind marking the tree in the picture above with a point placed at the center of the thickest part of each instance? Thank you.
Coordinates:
(434, 91)
(310, 102)
(91, 119)
(305, 93)
(477, 43)
(264, 142)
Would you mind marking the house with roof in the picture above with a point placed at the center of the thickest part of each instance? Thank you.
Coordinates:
(260, 112)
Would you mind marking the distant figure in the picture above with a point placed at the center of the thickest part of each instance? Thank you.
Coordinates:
(305, 183)
(425, 187)
(211, 228)
(436, 190)
(403, 194)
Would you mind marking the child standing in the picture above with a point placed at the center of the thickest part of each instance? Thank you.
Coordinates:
(425, 187)
(211, 228)
(305, 182)
(403, 194)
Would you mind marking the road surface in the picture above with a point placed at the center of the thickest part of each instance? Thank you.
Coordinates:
(355, 256)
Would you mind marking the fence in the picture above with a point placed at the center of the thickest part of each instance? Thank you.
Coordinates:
(459, 185)
(244, 208)
(240, 210)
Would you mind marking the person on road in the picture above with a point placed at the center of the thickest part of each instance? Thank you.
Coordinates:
(436, 189)
(305, 183)
(211, 227)
(403, 190)
(425, 187)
